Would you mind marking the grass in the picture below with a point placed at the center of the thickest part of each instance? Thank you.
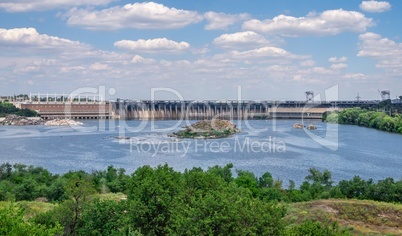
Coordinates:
(34, 207)
(31, 207)
(111, 196)
(363, 217)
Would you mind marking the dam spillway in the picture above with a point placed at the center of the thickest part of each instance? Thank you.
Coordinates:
(233, 110)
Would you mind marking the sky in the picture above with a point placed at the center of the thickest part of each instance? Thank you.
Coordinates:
(201, 50)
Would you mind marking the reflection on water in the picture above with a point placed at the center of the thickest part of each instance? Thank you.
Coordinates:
(262, 146)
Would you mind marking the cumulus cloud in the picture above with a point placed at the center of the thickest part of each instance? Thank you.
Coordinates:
(99, 66)
(43, 5)
(219, 20)
(337, 60)
(267, 54)
(339, 66)
(246, 39)
(307, 63)
(386, 52)
(137, 59)
(355, 76)
(262, 52)
(329, 22)
(30, 38)
(374, 46)
(146, 15)
(153, 45)
(375, 6)
(317, 71)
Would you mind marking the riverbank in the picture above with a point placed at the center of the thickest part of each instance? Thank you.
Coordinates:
(367, 118)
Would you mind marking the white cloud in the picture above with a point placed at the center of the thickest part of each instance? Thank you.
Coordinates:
(386, 52)
(307, 63)
(329, 22)
(337, 60)
(355, 76)
(375, 6)
(71, 68)
(339, 66)
(43, 5)
(99, 66)
(262, 52)
(247, 39)
(261, 55)
(219, 20)
(153, 45)
(374, 46)
(317, 71)
(30, 38)
(137, 59)
(146, 15)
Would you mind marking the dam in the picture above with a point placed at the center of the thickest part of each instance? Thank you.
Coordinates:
(194, 110)
(237, 110)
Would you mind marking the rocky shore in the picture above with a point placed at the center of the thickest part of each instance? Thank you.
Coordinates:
(62, 122)
(208, 129)
(20, 120)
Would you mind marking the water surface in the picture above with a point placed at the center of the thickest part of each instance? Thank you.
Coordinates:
(262, 146)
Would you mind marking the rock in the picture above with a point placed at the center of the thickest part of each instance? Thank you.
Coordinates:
(41, 199)
(62, 122)
(298, 126)
(301, 126)
(311, 127)
(208, 129)
(121, 137)
(20, 120)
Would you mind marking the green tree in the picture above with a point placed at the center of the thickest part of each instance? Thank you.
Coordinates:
(355, 188)
(247, 180)
(232, 211)
(26, 190)
(224, 172)
(324, 178)
(107, 217)
(12, 223)
(266, 180)
(151, 192)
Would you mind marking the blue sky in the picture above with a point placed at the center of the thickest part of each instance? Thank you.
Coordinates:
(202, 49)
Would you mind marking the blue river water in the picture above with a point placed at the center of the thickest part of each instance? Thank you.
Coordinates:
(262, 146)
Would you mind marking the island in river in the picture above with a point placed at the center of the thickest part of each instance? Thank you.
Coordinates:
(208, 129)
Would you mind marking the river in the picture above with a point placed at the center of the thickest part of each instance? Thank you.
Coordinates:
(262, 146)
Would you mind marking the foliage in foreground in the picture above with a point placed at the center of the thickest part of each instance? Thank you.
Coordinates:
(162, 201)
(12, 223)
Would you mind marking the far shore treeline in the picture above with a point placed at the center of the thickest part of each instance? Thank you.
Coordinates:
(367, 118)
(162, 201)
(7, 108)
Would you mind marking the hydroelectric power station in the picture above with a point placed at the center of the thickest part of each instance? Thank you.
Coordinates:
(60, 106)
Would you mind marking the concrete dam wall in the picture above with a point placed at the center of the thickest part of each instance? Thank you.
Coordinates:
(223, 110)
(193, 110)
